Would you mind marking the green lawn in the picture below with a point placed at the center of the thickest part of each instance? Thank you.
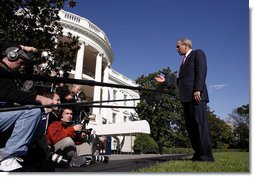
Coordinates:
(232, 162)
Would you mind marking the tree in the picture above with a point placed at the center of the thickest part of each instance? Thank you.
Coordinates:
(36, 23)
(240, 121)
(163, 111)
(221, 132)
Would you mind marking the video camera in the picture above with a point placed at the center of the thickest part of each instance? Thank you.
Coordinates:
(43, 62)
(40, 56)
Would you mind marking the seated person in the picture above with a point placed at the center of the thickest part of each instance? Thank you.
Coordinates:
(22, 126)
(66, 138)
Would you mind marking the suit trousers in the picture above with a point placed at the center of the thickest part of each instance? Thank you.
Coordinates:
(196, 120)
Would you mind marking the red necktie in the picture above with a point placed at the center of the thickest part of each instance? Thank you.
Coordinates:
(184, 58)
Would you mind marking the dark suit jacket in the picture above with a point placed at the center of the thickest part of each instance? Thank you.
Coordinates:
(192, 76)
(93, 138)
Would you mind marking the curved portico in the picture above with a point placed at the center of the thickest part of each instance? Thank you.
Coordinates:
(93, 62)
(94, 57)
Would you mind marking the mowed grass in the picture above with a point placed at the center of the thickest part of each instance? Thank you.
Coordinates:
(224, 162)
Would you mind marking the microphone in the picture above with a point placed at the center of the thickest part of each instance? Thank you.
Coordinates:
(41, 50)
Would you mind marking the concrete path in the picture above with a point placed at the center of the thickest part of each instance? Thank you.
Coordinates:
(124, 163)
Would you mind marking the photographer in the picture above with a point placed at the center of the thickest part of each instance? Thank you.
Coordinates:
(68, 139)
(24, 126)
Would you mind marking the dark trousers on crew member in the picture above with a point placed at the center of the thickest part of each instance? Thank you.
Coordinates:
(196, 120)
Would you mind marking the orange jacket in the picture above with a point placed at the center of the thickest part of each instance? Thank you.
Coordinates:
(56, 132)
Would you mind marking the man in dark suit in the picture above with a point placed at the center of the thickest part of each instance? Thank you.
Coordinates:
(194, 98)
(94, 140)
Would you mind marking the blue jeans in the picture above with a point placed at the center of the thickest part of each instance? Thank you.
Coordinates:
(26, 126)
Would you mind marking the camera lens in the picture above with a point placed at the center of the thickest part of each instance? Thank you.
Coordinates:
(59, 159)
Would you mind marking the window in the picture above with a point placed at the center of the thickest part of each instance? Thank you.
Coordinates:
(114, 94)
(125, 97)
(114, 118)
(125, 118)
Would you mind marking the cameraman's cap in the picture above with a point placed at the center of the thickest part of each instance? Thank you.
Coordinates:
(16, 50)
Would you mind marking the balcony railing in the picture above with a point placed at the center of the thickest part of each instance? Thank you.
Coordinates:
(124, 78)
(83, 22)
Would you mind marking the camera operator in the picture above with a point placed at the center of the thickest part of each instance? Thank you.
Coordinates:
(24, 125)
(68, 139)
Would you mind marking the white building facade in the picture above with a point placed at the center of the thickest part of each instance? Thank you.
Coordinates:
(93, 62)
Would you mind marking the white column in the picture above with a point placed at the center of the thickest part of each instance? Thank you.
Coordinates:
(105, 90)
(79, 62)
(105, 80)
(251, 5)
(97, 89)
(98, 67)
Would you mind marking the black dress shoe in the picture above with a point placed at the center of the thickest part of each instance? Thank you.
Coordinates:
(106, 159)
(195, 157)
(204, 158)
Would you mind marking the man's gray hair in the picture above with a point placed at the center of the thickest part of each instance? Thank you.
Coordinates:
(186, 42)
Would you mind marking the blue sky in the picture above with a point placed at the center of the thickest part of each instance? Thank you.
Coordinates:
(143, 35)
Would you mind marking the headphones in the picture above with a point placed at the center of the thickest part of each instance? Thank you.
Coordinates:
(13, 54)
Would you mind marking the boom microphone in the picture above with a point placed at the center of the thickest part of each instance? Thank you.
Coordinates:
(41, 50)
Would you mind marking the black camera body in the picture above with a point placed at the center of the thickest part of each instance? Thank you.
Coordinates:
(87, 131)
(85, 121)
(79, 97)
(82, 110)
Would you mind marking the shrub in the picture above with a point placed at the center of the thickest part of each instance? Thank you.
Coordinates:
(145, 144)
(221, 145)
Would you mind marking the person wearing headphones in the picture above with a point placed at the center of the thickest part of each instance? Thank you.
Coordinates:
(21, 127)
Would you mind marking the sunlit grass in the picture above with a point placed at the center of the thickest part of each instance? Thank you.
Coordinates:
(224, 162)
